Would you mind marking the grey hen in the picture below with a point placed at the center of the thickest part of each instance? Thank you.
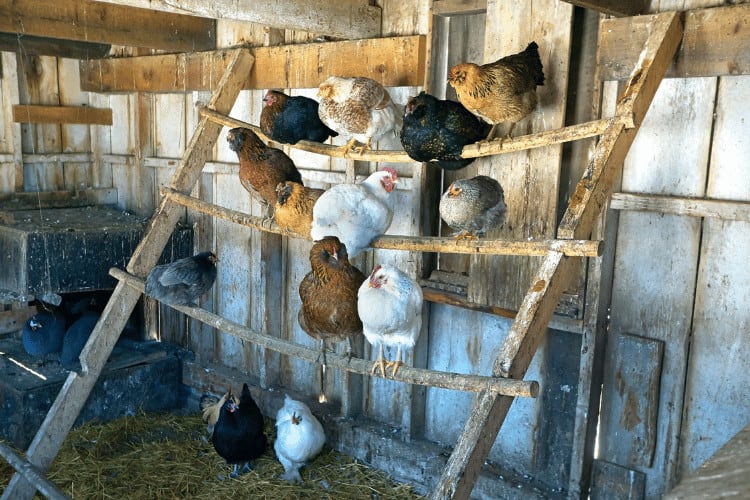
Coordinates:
(473, 206)
(184, 281)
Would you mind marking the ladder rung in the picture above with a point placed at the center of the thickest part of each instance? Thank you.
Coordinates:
(407, 374)
(570, 248)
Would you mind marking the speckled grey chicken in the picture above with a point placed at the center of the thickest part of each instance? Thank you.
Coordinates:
(473, 206)
(183, 281)
(501, 91)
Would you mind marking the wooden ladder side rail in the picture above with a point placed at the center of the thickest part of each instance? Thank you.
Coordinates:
(31, 473)
(540, 248)
(489, 411)
(476, 150)
(406, 374)
(76, 389)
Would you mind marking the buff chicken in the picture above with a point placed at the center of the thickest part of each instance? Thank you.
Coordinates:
(473, 206)
(359, 108)
(501, 91)
(438, 130)
(262, 167)
(356, 213)
(329, 298)
(294, 207)
(299, 437)
(290, 119)
(390, 307)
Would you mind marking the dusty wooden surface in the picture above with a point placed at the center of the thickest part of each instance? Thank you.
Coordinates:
(725, 475)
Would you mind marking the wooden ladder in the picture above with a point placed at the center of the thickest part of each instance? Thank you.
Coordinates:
(557, 271)
(493, 402)
(77, 387)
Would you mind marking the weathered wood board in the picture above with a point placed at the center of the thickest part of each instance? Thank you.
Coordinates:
(610, 480)
(26, 113)
(716, 42)
(395, 61)
(718, 401)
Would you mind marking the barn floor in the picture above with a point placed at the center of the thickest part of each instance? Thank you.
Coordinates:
(170, 456)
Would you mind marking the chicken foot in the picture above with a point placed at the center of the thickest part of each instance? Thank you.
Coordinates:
(397, 363)
(380, 363)
(349, 145)
(237, 472)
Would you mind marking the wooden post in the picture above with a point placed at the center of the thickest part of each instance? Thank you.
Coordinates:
(77, 388)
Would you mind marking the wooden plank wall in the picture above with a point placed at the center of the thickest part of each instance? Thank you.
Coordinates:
(679, 279)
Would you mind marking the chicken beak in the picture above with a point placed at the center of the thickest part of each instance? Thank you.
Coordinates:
(295, 419)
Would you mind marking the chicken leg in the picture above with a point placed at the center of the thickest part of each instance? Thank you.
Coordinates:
(380, 363)
(397, 363)
(323, 369)
(349, 145)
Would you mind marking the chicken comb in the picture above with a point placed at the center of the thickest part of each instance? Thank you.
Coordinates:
(391, 171)
(374, 270)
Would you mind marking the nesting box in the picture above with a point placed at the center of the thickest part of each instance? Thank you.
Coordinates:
(65, 250)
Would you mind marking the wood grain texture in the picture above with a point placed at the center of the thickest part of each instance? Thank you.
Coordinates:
(90, 21)
(716, 42)
(344, 18)
(395, 61)
(26, 113)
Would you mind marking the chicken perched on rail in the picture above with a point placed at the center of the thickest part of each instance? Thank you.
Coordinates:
(261, 167)
(299, 437)
(473, 206)
(356, 213)
(294, 207)
(329, 298)
(501, 91)
(435, 129)
(390, 307)
(184, 281)
(290, 119)
(238, 434)
(359, 108)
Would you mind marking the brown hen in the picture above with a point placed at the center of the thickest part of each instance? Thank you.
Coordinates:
(294, 207)
(262, 167)
(501, 91)
(329, 298)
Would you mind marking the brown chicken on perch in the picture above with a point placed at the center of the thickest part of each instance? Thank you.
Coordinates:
(501, 91)
(262, 167)
(359, 108)
(473, 206)
(294, 207)
(329, 298)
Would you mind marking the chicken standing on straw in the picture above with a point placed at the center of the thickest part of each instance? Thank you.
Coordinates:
(299, 438)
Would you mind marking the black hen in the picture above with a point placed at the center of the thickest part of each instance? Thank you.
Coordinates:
(438, 130)
(183, 281)
(43, 334)
(289, 119)
(238, 434)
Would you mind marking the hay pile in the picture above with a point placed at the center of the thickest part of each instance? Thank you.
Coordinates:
(171, 456)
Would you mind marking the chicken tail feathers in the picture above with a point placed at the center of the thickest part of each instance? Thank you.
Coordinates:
(535, 63)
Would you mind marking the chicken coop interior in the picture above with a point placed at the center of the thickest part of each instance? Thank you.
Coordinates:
(588, 339)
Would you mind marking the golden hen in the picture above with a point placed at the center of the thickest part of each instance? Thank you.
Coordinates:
(359, 108)
(329, 298)
(501, 91)
(294, 207)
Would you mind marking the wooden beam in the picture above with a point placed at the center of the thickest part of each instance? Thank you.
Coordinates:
(342, 18)
(90, 21)
(716, 42)
(27, 113)
(407, 243)
(407, 374)
(394, 62)
(31, 473)
(58, 199)
(692, 207)
(618, 8)
(458, 7)
(44, 46)
(556, 271)
(592, 192)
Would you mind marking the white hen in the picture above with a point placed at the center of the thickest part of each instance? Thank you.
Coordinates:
(299, 437)
(356, 213)
(390, 307)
